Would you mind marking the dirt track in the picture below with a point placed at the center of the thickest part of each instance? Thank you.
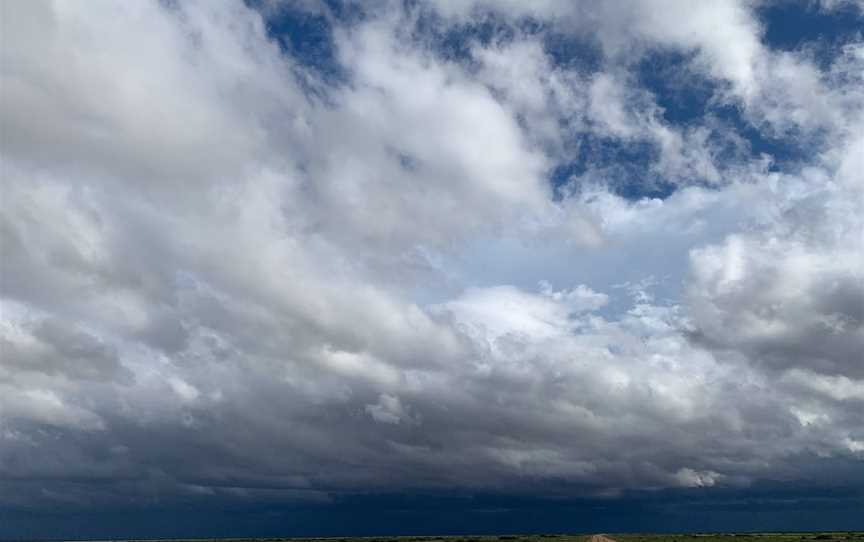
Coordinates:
(601, 538)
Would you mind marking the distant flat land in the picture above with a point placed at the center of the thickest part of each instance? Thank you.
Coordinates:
(839, 536)
(835, 536)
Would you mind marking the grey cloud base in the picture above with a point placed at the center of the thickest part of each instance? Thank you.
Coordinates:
(220, 286)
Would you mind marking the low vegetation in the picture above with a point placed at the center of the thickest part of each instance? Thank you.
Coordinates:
(838, 536)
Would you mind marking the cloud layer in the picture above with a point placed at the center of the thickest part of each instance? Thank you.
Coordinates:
(228, 274)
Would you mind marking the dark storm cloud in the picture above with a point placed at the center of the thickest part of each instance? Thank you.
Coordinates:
(54, 348)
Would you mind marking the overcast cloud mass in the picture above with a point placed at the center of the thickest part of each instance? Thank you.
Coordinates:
(289, 254)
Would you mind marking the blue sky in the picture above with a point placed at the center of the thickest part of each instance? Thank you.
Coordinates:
(284, 268)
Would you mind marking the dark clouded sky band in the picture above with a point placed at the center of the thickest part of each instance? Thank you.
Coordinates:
(298, 268)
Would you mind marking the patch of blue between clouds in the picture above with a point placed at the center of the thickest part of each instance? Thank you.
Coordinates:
(688, 98)
(623, 165)
(453, 42)
(792, 26)
(573, 52)
(306, 36)
(685, 97)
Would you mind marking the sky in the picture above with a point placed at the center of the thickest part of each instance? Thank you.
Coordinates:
(302, 268)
